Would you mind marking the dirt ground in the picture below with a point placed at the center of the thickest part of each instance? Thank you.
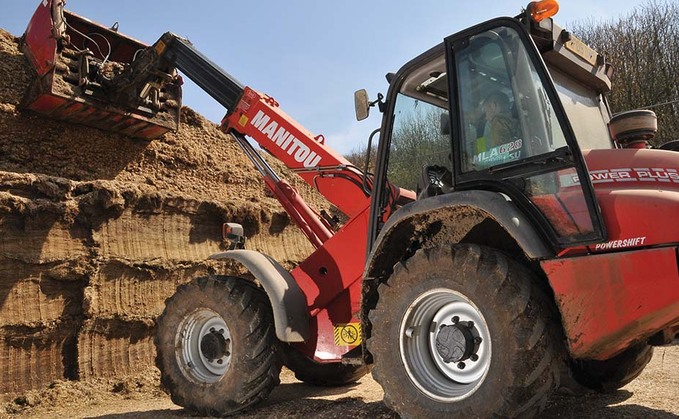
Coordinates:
(655, 394)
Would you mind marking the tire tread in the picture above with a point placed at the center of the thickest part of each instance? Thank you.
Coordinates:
(511, 290)
(262, 370)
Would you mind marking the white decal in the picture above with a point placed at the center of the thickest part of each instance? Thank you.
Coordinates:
(284, 140)
(503, 153)
(637, 174)
(617, 244)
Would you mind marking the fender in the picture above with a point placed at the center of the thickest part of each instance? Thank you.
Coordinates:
(493, 205)
(288, 302)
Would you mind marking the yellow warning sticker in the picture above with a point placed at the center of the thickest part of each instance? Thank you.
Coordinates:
(243, 120)
(348, 334)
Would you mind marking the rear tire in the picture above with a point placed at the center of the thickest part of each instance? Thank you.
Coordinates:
(471, 306)
(215, 346)
(321, 374)
(612, 374)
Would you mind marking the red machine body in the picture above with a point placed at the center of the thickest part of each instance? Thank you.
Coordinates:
(611, 293)
(331, 276)
(626, 183)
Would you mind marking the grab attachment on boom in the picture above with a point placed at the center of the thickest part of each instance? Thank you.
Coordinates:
(78, 64)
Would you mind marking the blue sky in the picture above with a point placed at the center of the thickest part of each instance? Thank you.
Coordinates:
(309, 55)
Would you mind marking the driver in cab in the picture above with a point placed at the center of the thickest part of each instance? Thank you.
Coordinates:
(498, 128)
(492, 133)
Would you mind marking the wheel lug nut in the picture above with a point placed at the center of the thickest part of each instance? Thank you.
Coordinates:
(474, 357)
(220, 361)
(212, 329)
(478, 340)
(455, 319)
(470, 324)
(461, 365)
(221, 331)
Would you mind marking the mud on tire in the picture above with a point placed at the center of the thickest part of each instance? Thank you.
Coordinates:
(216, 346)
(511, 347)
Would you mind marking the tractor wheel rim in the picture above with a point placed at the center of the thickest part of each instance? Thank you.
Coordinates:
(203, 346)
(442, 370)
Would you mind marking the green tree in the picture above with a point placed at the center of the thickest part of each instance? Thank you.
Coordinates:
(643, 47)
(416, 142)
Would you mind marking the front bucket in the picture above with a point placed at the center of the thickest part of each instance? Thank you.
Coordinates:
(74, 57)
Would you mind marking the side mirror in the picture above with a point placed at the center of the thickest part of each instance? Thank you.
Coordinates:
(361, 104)
(233, 233)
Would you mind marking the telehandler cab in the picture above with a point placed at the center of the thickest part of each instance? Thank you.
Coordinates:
(510, 241)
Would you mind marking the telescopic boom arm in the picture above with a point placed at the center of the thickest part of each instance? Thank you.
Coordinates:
(259, 117)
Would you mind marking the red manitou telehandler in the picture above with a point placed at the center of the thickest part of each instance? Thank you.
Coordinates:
(538, 250)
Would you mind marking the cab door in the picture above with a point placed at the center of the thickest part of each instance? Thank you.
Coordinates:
(512, 134)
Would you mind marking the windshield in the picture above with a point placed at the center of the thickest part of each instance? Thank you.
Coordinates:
(505, 111)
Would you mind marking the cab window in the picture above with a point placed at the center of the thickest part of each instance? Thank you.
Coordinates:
(499, 88)
(419, 139)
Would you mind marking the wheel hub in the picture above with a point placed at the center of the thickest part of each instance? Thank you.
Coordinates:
(203, 346)
(213, 345)
(455, 343)
(445, 345)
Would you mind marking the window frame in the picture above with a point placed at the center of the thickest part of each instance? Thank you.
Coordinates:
(502, 177)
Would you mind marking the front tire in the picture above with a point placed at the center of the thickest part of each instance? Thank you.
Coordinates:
(215, 346)
(464, 331)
